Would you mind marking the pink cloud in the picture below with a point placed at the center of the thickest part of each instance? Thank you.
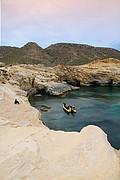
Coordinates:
(46, 8)
(68, 18)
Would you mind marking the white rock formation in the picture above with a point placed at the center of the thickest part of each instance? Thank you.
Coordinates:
(30, 151)
(20, 114)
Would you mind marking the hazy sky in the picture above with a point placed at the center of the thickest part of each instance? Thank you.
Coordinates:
(93, 22)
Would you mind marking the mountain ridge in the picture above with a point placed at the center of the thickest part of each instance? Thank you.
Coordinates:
(59, 53)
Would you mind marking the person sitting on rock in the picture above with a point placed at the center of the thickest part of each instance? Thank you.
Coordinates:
(16, 101)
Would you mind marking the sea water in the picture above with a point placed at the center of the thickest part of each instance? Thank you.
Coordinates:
(98, 106)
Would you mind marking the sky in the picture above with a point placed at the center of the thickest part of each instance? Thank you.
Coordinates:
(46, 22)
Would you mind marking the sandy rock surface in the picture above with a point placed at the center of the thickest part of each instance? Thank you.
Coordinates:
(29, 150)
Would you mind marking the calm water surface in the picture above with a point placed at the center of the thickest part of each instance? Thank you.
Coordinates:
(98, 106)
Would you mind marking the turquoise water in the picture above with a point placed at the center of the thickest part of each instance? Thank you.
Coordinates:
(98, 106)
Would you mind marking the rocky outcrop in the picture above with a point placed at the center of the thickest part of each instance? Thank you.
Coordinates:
(16, 115)
(60, 79)
(29, 150)
(27, 76)
(34, 79)
(104, 73)
(57, 89)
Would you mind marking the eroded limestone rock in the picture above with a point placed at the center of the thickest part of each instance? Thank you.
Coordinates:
(16, 114)
(100, 72)
(29, 150)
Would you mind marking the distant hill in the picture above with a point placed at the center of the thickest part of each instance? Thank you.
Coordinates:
(61, 53)
(31, 53)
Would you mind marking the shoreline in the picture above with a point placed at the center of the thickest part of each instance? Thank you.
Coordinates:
(30, 150)
(95, 105)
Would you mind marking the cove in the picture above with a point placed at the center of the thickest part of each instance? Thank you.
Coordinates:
(98, 106)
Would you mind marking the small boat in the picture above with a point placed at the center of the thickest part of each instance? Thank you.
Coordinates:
(74, 110)
(69, 109)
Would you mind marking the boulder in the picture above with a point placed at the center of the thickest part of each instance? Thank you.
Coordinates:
(57, 89)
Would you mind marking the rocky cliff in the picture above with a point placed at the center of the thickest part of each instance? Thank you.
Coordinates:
(34, 79)
(59, 79)
(104, 72)
(29, 150)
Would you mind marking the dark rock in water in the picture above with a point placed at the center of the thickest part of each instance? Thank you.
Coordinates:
(45, 108)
